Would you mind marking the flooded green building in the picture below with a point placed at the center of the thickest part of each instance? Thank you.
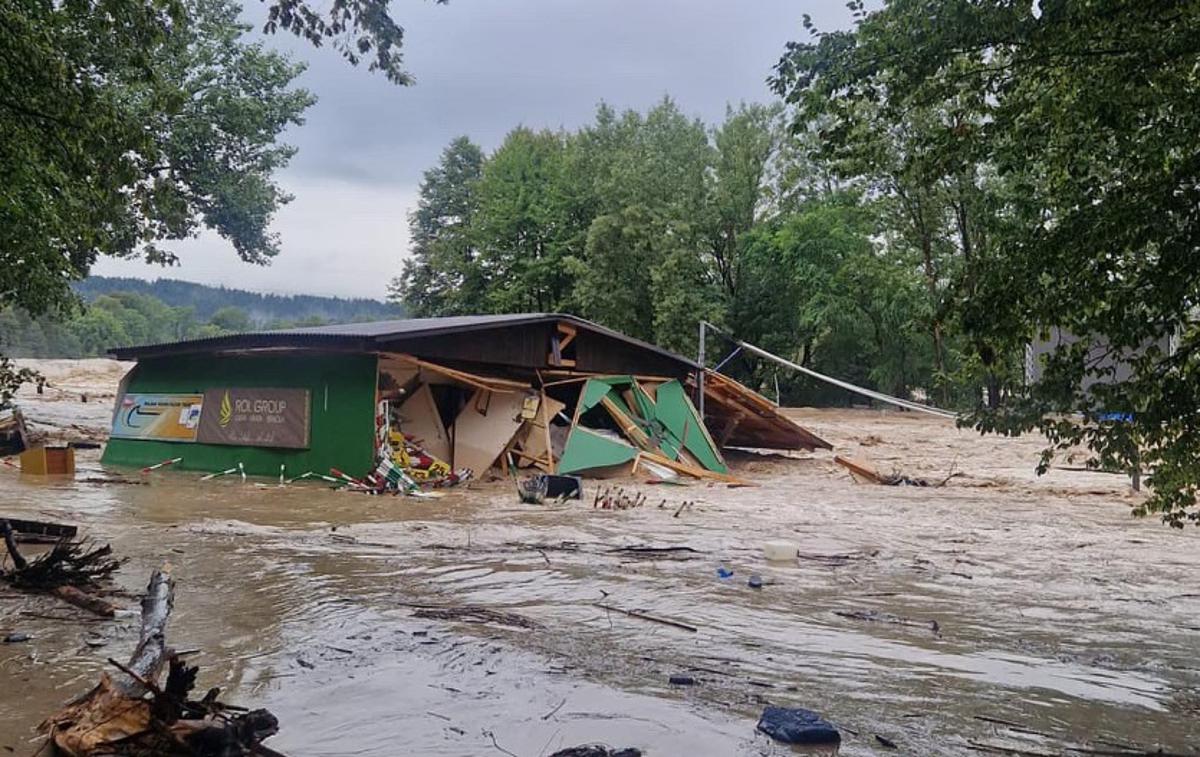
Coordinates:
(476, 391)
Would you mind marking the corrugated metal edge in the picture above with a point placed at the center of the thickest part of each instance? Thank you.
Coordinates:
(325, 337)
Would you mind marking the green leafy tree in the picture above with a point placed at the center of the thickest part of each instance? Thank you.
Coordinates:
(1085, 113)
(615, 282)
(442, 276)
(650, 192)
(745, 145)
(515, 226)
(130, 124)
(231, 320)
(358, 29)
(98, 330)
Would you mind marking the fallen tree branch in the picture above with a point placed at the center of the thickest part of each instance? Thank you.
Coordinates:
(131, 714)
(472, 614)
(885, 617)
(62, 571)
(644, 616)
(71, 595)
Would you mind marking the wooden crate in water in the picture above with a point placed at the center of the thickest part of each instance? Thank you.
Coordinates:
(48, 461)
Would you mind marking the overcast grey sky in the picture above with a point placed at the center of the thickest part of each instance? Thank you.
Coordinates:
(482, 67)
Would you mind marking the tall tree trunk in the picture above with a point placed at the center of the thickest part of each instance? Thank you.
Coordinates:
(939, 360)
(993, 390)
(916, 211)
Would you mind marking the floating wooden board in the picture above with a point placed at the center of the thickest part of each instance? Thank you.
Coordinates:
(41, 528)
(859, 469)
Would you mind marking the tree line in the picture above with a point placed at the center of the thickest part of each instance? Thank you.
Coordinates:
(123, 319)
(649, 222)
(262, 308)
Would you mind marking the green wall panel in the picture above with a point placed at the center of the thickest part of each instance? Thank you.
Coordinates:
(342, 389)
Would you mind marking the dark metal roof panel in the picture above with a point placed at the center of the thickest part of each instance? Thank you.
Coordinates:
(372, 335)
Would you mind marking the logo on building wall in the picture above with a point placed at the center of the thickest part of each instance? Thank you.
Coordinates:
(256, 418)
(226, 411)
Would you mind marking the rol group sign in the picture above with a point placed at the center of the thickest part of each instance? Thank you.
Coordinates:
(255, 418)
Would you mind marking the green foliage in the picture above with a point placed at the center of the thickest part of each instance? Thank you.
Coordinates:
(357, 29)
(582, 222)
(815, 288)
(129, 124)
(11, 379)
(514, 230)
(441, 275)
(231, 319)
(123, 319)
(1049, 149)
(650, 222)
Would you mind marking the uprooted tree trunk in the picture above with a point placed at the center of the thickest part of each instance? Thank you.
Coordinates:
(129, 713)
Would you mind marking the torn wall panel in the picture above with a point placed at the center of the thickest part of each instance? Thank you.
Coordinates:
(419, 418)
(589, 450)
(675, 411)
(485, 427)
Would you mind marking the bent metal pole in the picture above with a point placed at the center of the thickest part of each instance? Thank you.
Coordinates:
(700, 373)
(878, 396)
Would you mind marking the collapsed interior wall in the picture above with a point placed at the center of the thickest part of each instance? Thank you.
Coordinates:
(591, 423)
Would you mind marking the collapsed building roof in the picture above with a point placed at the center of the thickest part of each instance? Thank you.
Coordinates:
(469, 392)
(514, 341)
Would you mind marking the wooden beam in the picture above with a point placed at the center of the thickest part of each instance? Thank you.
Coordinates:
(694, 471)
(503, 386)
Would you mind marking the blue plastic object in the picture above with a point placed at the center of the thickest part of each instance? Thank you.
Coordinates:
(723, 572)
(797, 726)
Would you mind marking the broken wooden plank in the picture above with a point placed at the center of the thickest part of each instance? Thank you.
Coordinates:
(694, 471)
(42, 528)
(859, 470)
(419, 419)
(502, 386)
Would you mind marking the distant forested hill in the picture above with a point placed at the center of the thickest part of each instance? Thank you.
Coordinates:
(261, 308)
(120, 312)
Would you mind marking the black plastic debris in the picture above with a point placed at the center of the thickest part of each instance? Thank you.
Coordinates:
(596, 750)
(797, 726)
(681, 680)
(16, 637)
(567, 487)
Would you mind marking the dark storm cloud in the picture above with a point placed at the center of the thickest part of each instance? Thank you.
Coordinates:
(485, 66)
(482, 68)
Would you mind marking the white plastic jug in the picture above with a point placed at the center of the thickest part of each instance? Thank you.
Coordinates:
(780, 551)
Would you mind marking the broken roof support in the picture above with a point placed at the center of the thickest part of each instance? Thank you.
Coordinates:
(870, 393)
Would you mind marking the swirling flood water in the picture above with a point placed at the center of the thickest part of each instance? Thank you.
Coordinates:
(1061, 622)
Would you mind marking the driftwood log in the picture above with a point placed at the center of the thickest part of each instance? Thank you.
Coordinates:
(130, 713)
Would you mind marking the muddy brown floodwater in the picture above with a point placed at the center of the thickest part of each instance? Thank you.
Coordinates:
(1060, 619)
